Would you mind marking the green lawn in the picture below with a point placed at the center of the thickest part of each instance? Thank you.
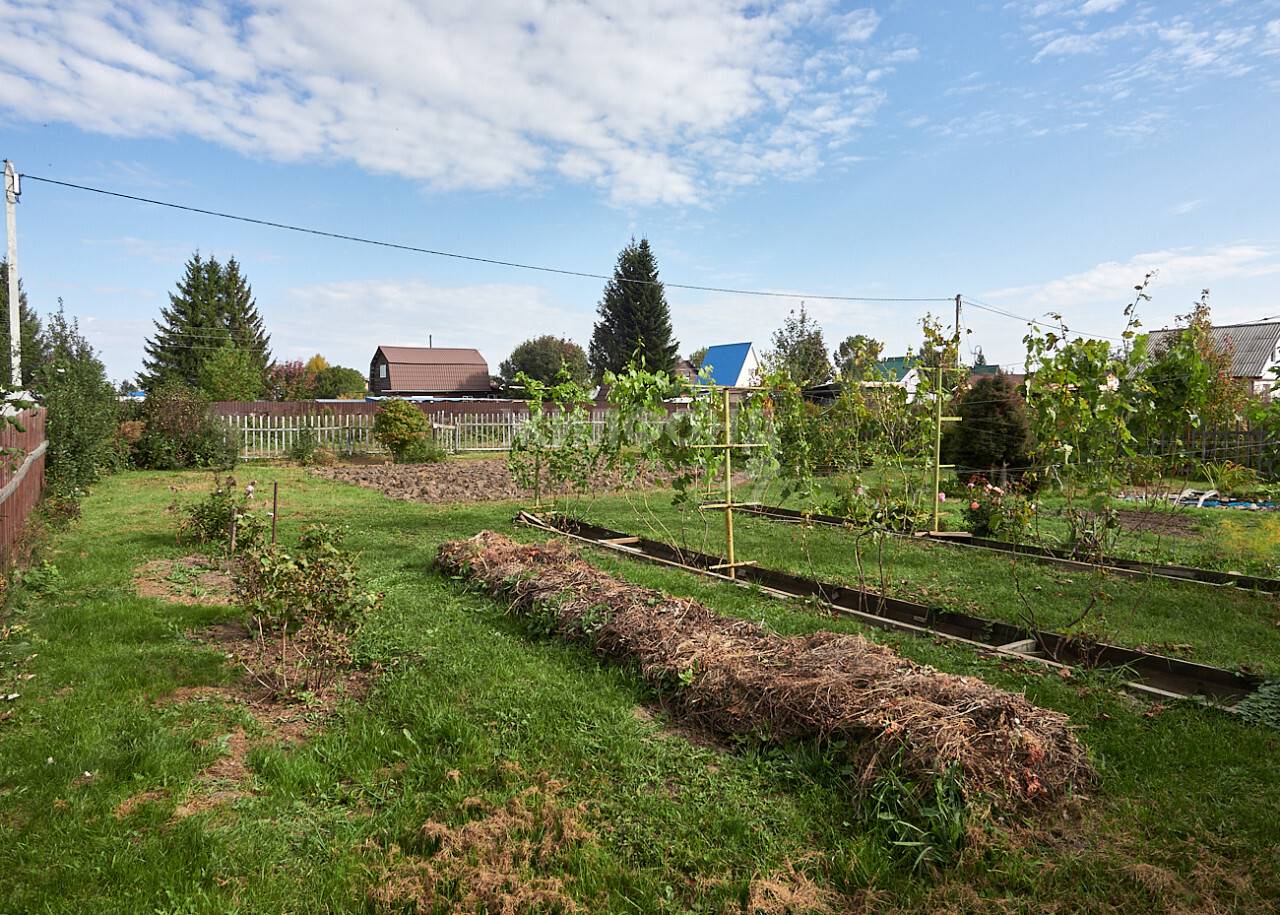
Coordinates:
(470, 704)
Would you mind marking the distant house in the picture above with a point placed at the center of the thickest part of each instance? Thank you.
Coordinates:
(898, 372)
(434, 371)
(686, 371)
(731, 365)
(1255, 350)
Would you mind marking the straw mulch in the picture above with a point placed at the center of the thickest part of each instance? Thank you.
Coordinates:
(734, 677)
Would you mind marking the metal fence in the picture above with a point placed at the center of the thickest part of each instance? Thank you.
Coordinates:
(263, 435)
(1257, 449)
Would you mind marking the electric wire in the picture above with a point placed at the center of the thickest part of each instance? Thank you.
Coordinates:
(359, 239)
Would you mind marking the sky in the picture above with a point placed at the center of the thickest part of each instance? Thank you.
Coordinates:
(1036, 156)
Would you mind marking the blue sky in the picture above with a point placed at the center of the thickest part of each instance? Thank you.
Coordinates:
(1037, 156)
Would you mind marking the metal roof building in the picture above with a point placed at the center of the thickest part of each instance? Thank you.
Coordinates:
(731, 365)
(439, 371)
(1255, 349)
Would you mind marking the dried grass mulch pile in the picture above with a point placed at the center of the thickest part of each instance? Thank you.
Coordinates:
(501, 860)
(457, 480)
(734, 677)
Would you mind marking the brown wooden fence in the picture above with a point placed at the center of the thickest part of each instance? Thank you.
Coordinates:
(21, 476)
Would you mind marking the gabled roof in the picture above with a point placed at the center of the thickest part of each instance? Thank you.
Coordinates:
(1253, 346)
(435, 370)
(895, 368)
(725, 362)
(433, 355)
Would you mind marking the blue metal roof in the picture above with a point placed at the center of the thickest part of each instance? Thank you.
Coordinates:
(725, 361)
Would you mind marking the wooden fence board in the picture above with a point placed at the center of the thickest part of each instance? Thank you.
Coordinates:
(21, 476)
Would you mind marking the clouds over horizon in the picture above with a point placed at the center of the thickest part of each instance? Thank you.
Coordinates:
(652, 102)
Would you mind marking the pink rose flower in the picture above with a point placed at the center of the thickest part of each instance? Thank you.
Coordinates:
(942, 497)
(973, 505)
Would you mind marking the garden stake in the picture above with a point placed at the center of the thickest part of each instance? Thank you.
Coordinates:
(730, 564)
(275, 507)
(939, 419)
(728, 488)
(233, 533)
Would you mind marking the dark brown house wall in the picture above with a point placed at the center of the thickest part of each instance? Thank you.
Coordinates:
(378, 384)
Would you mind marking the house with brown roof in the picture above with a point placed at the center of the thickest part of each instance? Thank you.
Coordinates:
(428, 371)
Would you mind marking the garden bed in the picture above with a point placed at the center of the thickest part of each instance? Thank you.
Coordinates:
(453, 481)
(734, 677)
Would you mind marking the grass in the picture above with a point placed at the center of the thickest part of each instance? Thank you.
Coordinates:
(470, 704)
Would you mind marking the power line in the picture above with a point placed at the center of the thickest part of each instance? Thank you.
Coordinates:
(1009, 314)
(359, 239)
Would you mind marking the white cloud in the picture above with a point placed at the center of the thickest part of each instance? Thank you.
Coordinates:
(1187, 206)
(1090, 7)
(347, 320)
(1112, 282)
(650, 100)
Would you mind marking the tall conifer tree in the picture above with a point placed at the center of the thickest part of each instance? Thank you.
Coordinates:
(212, 306)
(634, 317)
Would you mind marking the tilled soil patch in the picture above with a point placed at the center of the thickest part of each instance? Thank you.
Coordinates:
(1163, 522)
(734, 677)
(460, 481)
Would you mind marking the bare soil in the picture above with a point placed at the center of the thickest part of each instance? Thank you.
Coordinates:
(188, 580)
(481, 480)
(287, 689)
(1163, 523)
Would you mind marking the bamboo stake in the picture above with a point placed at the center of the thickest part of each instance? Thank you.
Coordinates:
(728, 486)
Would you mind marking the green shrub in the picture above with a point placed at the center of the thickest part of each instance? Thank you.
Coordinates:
(179, 432)
(304, 447)
(1228, 477)
(1092, 530)
(400, 427)
(209, 520)
(423, 451)
(315, 582)
(992, 511)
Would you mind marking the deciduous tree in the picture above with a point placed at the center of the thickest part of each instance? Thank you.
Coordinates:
(799, 348)
(541, 358)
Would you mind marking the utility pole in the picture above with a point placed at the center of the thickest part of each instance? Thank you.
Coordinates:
(11, 192)
(958, 362)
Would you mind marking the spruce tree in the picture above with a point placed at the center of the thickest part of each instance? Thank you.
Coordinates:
(634, 317)
(241, 314)
(35, 351)
(212, 306)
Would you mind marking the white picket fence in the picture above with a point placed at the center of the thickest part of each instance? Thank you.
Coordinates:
(458, 432)
(266, 436)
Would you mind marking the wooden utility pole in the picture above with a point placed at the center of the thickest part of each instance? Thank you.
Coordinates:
(11, 191)
(958, 362)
